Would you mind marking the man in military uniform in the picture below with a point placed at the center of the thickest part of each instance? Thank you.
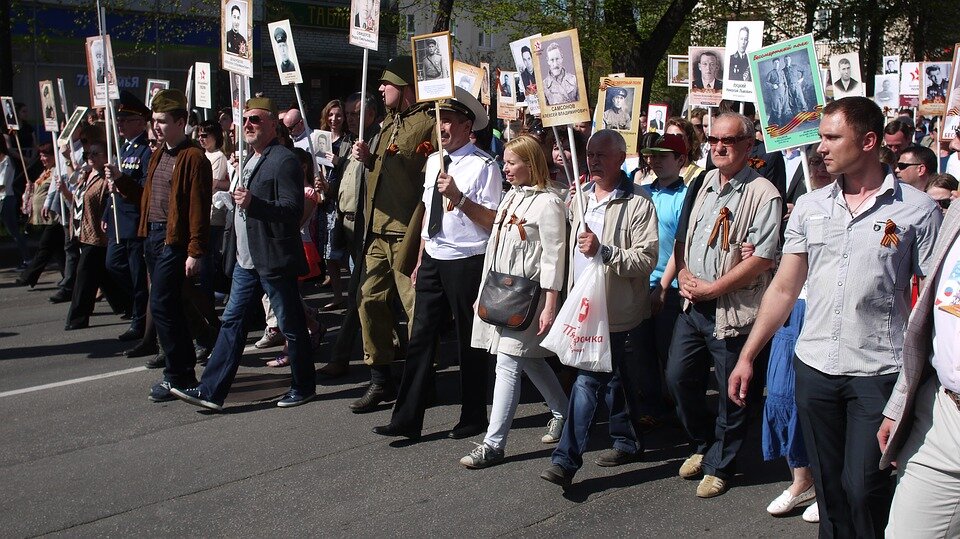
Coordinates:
(559, 87)
(739, 67)
(394, 183)
(796, 100)
(777, 81)
(125, 258)
(617, 116)
(236, 43)
(280, 36)
(937, 87)
(431, 65)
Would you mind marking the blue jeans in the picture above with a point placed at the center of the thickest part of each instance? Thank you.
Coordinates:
(621, 390)
(166, 264)
(248, 286)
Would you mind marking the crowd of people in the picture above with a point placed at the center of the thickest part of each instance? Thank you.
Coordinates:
(790, 276)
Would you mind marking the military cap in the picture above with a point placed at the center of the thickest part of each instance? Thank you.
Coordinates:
(279, 35)
(263, 103)
(399, 71)
(129, 105)
(168, 101)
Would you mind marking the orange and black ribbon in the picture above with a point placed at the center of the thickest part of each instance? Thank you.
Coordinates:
(723, 222)
(890, 238)
(519, 222)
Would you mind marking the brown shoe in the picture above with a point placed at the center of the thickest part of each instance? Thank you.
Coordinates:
(711, 486)
(334, 369)
(371, 400)
(692, 467)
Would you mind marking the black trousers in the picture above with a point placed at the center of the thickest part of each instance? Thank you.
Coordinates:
(126, 266)
(91, 276)
(444, 287)
(71, 253)
(840, 416)
(50, 249)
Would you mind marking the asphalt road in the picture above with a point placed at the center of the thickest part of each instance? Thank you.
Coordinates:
(84, 453)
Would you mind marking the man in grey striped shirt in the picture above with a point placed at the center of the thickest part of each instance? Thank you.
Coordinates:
(858, 243)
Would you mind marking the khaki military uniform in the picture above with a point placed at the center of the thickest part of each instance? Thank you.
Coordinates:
(616, 119)
(562, 89)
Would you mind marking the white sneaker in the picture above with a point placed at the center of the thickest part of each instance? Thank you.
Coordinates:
(812, 514)
(785, 502)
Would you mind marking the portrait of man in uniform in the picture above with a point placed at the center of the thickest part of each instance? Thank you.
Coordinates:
(739, 66)
(936, 87)
(9, 113)
(236, 41)
(286, 65)
(708, 75)
(506, 85)
(618, 107)
(431, 64)
(560, 83)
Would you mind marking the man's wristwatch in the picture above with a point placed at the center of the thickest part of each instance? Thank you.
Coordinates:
(463, 199)
(605, 253)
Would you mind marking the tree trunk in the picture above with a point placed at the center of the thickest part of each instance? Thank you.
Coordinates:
(6, 50)
(444, 9)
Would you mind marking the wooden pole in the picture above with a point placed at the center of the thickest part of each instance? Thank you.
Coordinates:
(563, 157)
(576, 177)
(363, 93)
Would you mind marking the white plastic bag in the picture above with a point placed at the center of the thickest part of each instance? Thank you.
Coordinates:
(580, 335)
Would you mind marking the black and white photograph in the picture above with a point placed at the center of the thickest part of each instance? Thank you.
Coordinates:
(743, 37)
(934, 85)
(523, 60)
(618, 108)
(951, 120)
(78, 115)
(787, 86)
(485, 83)
(468, 77)
(706, 75)
(154, 86)
(561, 91)
(10, 113)
(284, 52)
(886, 91)
(236, 82)
(365, 23)
(845, 73)
(236, 23)
(657, 118)
(322, 147)
(100, 69)
(678, 70)
(505, 86)
(891, 65)
(48, 106)
(432, 59)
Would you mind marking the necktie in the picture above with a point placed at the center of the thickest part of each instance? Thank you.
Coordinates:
(435, 223)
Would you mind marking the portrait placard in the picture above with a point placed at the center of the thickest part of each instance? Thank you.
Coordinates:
(790, 96)
(934, 82)
(951, 121)
(236, 29)
(887, 91)
(322, 145)
(236, 80)
(99, 56)
(527, 79)
(561, 91)
(506, 98)
(678, 70)
(468, 77)
(743, 37)
(48, 106)
(284, 52)
(891, 65)
(365, 23)
(617, 75)
(706, 76)
(657, 118)
(71, 125)
(10, 114)
(619, 108)
(154, 86)
(845, 74)
(201, 85)
(432, 59)
(485, 84)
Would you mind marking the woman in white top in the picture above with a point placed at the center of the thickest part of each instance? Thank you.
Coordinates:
(210, 137)
(528, 240)
(10, 203)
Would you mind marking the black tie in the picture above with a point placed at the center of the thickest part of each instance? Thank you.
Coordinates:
(435, 223)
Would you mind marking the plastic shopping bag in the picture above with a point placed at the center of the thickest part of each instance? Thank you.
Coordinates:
(580, 335)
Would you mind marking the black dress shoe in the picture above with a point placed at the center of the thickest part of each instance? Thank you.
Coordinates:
(375, 394)
(558, 475)
(142, 350)
(60, 297)
(158, 362)
(76, 325)
(465, 431)
(392, 430)
(126, 316)
(130, 335)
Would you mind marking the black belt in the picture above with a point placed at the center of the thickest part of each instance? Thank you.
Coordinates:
(953, 396)
(157, 226)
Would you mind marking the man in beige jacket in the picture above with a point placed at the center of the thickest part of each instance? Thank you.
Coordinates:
(620, 228)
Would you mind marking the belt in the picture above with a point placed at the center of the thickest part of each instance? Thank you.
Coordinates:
(953, 396)
(157, 226)
(349, 215)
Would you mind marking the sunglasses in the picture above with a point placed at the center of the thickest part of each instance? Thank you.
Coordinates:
(253, 119)
(728, 141)
(905, 166)
(943, 202)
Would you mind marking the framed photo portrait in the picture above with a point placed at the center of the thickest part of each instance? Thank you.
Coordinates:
(236, 23)
(886, 91)
(237, 83)
(48, 106)
(99, 59)
(951, 120)
(154, 86)
(891, 65)
(526, 75)
(365, 23)
(485, 83)
(468, 77)
(678, 70)
(432, 62)
(845, 73)
(10, 113)
(619, 108)
(934, 85)
(201, 85)
(706, 76)
(322, 145)
(284, 52)
(657, 118)
(71, 125)
(561, 90)
(506, 90)
(743, 37)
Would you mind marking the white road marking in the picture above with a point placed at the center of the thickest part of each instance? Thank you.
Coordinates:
(95, 377)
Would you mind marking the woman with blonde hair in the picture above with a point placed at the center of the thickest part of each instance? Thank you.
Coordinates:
(528, 240)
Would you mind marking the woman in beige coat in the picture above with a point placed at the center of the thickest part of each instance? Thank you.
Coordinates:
(528, 240)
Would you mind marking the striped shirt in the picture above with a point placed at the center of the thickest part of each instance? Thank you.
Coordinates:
(858, 290)
(161, 182)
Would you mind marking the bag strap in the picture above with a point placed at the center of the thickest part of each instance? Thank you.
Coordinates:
(513, 220)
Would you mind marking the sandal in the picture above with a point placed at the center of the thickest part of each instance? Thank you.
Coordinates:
(281, 361)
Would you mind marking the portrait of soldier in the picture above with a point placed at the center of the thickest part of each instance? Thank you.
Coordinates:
(236, 42)
(560, 85)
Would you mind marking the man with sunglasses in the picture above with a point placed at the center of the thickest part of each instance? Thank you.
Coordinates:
(269, 256)
(916, 165)
(175, 220)
(857, 244)
(722, 294)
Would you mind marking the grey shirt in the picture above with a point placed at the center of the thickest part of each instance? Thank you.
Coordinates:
(764, 232)
(858, 290)
(240, 219)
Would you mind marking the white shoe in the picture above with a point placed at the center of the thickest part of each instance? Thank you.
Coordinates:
(812, 514)
(785, 502)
